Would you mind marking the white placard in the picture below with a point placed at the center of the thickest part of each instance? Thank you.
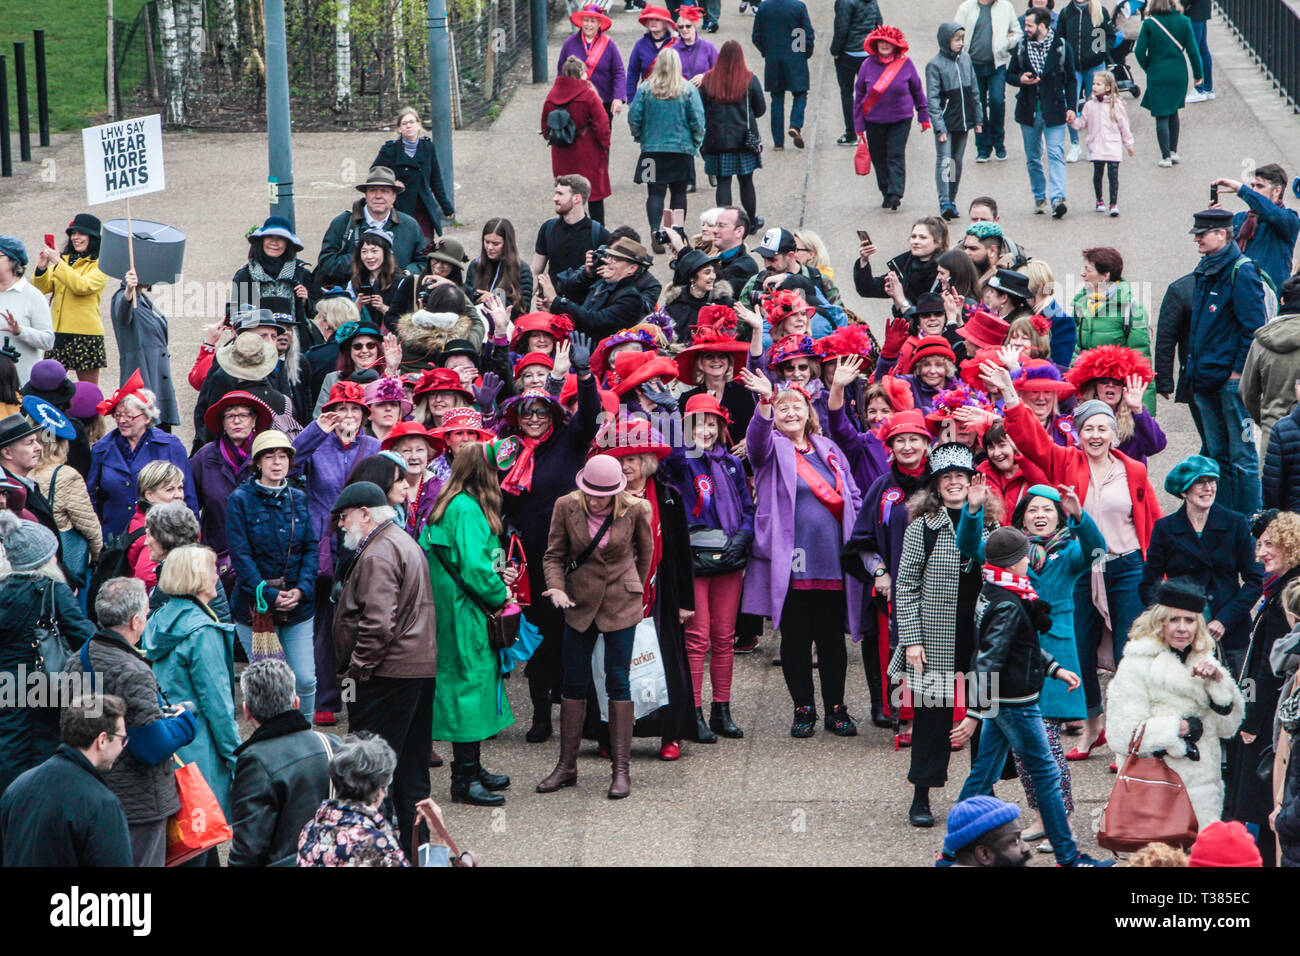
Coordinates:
(123, 159)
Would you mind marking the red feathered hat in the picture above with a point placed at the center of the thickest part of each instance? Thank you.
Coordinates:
(792, 347)
(1109, 361)
(710, 338)
(898, 393)
(850, 340)
(721, 317)
(889, 34)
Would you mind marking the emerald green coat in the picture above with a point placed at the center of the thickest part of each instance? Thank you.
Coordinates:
(1106, 327)
(469, 701)
(1166, 65)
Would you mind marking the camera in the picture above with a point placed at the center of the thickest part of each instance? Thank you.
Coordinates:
(661, 236)
(599, 256)
(9, 352)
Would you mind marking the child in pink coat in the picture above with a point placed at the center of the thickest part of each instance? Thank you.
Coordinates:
(1106, 121)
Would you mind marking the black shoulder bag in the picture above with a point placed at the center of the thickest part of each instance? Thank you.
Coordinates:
(502, 628)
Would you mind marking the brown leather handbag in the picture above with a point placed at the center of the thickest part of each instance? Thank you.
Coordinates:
(1149, 804)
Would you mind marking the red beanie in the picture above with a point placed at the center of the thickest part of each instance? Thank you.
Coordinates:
(1225, 843)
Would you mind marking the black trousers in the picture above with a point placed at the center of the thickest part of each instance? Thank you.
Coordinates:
(401, 711)
(888, 145)
(931, 748)
(544, 670)
(1111, 171)
(846, 72)
(808, 618)
(1167, 128)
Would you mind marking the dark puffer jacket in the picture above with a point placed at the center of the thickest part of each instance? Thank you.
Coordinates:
(854, 19)
(1281, 478)
(1088, 41)
(281, 778)
(147, 791)
(271, 537)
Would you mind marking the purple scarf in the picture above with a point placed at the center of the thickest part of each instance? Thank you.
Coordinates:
(232, 454)
(725, 500)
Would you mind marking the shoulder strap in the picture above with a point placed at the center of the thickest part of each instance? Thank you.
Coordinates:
(86, 666)
(53, 478)
(595, 232)
(1126, 322)
(329, 755)
(460, 582)
(1165, 31)
(581, 559)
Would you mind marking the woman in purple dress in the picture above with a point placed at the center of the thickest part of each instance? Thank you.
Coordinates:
(592, 46)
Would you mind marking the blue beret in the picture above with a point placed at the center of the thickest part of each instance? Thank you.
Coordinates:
(1184, 474)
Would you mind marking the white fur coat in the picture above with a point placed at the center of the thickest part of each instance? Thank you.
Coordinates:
(1153, 686)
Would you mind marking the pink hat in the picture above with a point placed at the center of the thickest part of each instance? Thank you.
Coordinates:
(602, 477)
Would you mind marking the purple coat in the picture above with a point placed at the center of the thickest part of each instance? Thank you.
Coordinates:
(903, 96)
(608, 77)
(867, 454)
(879, 531)
(214, 483)
(326, 464)
(1148, 438)
(642, 59)
(698, 58)
(112, 478)
(767, 576)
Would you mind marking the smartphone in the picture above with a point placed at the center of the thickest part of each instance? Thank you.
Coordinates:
(1214, 193)
(49, 239)
(367, 289)
(863, 236)
(679, 217)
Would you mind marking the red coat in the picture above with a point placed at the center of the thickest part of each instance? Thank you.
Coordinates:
(589, 154)
(1069, 466)
(1012, 489)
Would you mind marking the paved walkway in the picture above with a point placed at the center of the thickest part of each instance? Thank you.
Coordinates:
(766, 799)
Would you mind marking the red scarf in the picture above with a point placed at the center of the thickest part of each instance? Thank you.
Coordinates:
(916, 472)
(651, 68)
(520, 477)
(1017, 584)
(595, 51)
(832, 498)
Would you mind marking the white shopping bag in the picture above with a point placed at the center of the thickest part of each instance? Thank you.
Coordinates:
(648, 681)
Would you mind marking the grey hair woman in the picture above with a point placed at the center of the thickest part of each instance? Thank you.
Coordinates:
(349, 829)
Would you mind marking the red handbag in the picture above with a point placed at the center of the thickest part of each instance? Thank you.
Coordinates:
(199, 824)
(523, 590)
(1149, 804)
(862, 159)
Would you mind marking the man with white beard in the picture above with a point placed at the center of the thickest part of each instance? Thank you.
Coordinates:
(384, 634)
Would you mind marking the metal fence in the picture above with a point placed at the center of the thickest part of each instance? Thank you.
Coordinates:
(389, 62)
(1270, 31)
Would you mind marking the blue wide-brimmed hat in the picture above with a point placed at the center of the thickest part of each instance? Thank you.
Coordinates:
(48, 417)
(277, 226)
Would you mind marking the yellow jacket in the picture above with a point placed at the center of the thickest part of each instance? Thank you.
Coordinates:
(77, 289)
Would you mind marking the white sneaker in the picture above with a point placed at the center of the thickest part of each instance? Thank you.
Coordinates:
(1073, 155)
(1114, 210)
(1101, 207)
(1176, 158)
(1195, 97)
(1209, 94)
(1165, 162)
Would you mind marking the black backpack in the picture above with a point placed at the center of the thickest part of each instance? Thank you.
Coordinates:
(560, 128)
(112, 563)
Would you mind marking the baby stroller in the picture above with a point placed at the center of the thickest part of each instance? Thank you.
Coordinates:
(1127, 18)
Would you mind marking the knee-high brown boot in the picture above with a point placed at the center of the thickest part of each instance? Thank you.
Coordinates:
(565, 773)
(621, 719)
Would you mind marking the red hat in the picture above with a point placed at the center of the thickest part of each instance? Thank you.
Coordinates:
(792, 347)
(347, 393)
(984, 329)
(950, 399)
(406, 430)
(849, 340)
(891, 35)
(779, 306)
(461, 420)
(212, 418)
(930, 345)
(909, 422)
(970, 368)
(569, 396)
(134, 386)
(441, 380)
(632, 369)
(533, 358)
(691, 14)
(898, 393)
(710, 339)
(1225, 843)
(630, 437)
(558, 326)
(655, 13)
(705, 404)
(1040, 375)
(591, 10)
(721, 317)
(638, 335)
(1109, 361)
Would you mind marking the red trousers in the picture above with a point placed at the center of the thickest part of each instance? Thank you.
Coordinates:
(713, 629)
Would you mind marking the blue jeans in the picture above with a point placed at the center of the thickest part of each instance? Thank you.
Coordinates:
(578, 646)
(1082, 87)
(1229, 436)
(300, 654)
(1123, 575)
(1207, 62)
(797, 106)
(1021, 729)
(992, 87)
(1033, 137)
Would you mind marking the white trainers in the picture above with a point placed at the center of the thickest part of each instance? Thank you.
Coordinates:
(1073, 155)
(1195, 97)
(1175, 158)
(1165, 162)
(1114, 210)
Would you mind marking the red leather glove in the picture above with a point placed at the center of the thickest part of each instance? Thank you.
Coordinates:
(896, 333)
(925, 126)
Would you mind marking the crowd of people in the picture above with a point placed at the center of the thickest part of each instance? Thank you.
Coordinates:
(414, 472)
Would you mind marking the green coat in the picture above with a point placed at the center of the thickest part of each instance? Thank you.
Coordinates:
(1165, 64)
(469, 701)
(1106, 327)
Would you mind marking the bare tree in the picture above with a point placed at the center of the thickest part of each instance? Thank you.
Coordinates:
(173, 61)
(342, 55)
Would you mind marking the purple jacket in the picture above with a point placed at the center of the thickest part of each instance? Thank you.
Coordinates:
(213, 483)
(1148, 438)
(111, 481)
(866, 453)
(642, 59)
(879, 531)
(326, 464)
(903, 96)
(767, 576)
(608, 78)
(698, 58)
(682, 470)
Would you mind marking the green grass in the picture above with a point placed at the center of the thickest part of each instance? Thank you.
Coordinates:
(75, 43)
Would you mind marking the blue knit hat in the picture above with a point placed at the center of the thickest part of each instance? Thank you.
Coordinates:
(1188, 471)
(972, 818)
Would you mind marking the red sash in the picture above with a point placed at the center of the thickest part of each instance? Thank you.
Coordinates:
(882, 83)
(595, 52)
(832, 498)
(651, 68)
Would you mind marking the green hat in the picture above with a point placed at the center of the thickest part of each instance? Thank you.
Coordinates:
(1188, 471)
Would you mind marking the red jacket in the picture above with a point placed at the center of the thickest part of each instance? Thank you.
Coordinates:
(589, 154)
(1069, 466)
(137, 556)
(1012, 489)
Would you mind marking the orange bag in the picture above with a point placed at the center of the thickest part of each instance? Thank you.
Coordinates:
(1149, 804)
(199, 824)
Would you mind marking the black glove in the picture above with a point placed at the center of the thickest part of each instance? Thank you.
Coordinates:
(737, 547)
(1040, 612)
(660, 396)
(580, 353)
